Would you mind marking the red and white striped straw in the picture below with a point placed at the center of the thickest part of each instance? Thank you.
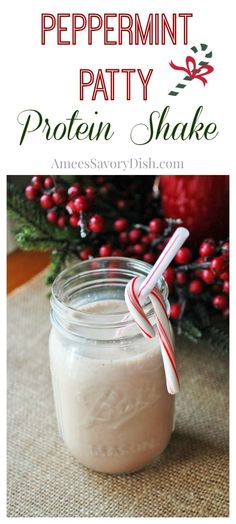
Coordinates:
(163, 328)
(139, 288)
(164, 260)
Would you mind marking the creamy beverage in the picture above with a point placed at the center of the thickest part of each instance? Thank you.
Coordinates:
(113, 409)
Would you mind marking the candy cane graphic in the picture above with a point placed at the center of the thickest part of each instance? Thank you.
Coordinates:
(199, 72)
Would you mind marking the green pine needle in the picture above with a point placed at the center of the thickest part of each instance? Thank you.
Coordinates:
(202, 315)
(58, 260)
(190, 330)
(30, 219)
(218, 337)
(29, 238)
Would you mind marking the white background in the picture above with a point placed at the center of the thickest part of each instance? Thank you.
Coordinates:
(46, 78)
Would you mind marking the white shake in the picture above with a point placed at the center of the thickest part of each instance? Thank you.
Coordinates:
(114, 412)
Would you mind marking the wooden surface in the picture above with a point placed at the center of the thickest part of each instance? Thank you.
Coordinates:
(23, 265)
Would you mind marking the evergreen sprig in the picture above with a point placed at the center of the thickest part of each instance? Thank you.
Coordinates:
(202, 314)
(58, 259)
(30, 214)
(196, 327)
(30, 238)
(188, 328)
(217, 337)
(32, 229)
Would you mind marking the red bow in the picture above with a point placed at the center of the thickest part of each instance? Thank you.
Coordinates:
(194, 72)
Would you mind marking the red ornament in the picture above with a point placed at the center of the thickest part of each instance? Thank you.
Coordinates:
(195, 287)
(151, 237)
(226, 287)
(121, 224)
(52, 216)
(169, 276)
(183, 256)
(224, 276)
(201, 201)
(181, 278)
(156, 225)
(207, 248)
(62, 221)
(37, 182)
(218, 265)
(74, 220)
(146, 240)
(124, 237)
(86, 253)
(105, 251)
(31, 193)
(97, 224)
(46, 201)
(59, 196)
(81, 204)
(220, 302)
(74, 191)
(175, 310)
(135, 235)
(139, 249)
(207, 276)
(48, 182)
(150, 258)
(90, 192)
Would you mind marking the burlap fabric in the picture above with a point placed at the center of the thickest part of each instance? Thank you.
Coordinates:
(190, 478)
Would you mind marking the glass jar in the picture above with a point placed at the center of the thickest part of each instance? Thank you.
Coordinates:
(113, 409)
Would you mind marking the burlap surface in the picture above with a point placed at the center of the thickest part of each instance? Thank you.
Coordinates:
(190, 478)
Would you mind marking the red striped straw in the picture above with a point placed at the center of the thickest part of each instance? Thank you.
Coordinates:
(164, 260)
(163, 328)
(139, 288)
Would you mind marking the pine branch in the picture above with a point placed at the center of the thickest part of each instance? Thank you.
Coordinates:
(58, 260)
(29, 214)
(201, 314)
(28, 238)
(217, 337)
(189, 329)
(69, 179)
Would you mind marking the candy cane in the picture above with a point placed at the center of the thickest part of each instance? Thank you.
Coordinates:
(138, 288)
(163, 327)
(187, 78)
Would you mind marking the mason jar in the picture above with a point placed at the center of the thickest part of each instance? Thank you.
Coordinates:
(113, 409)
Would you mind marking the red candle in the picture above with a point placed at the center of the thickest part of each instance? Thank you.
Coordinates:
(201, 201)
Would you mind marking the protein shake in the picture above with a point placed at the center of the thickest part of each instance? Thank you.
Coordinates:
(113, 409)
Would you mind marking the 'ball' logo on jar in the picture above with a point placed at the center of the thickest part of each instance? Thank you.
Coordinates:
(114, 406)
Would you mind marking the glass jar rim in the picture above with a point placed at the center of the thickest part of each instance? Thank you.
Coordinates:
(62, 309)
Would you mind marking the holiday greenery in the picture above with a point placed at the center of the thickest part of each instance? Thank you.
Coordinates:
(95, 216)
